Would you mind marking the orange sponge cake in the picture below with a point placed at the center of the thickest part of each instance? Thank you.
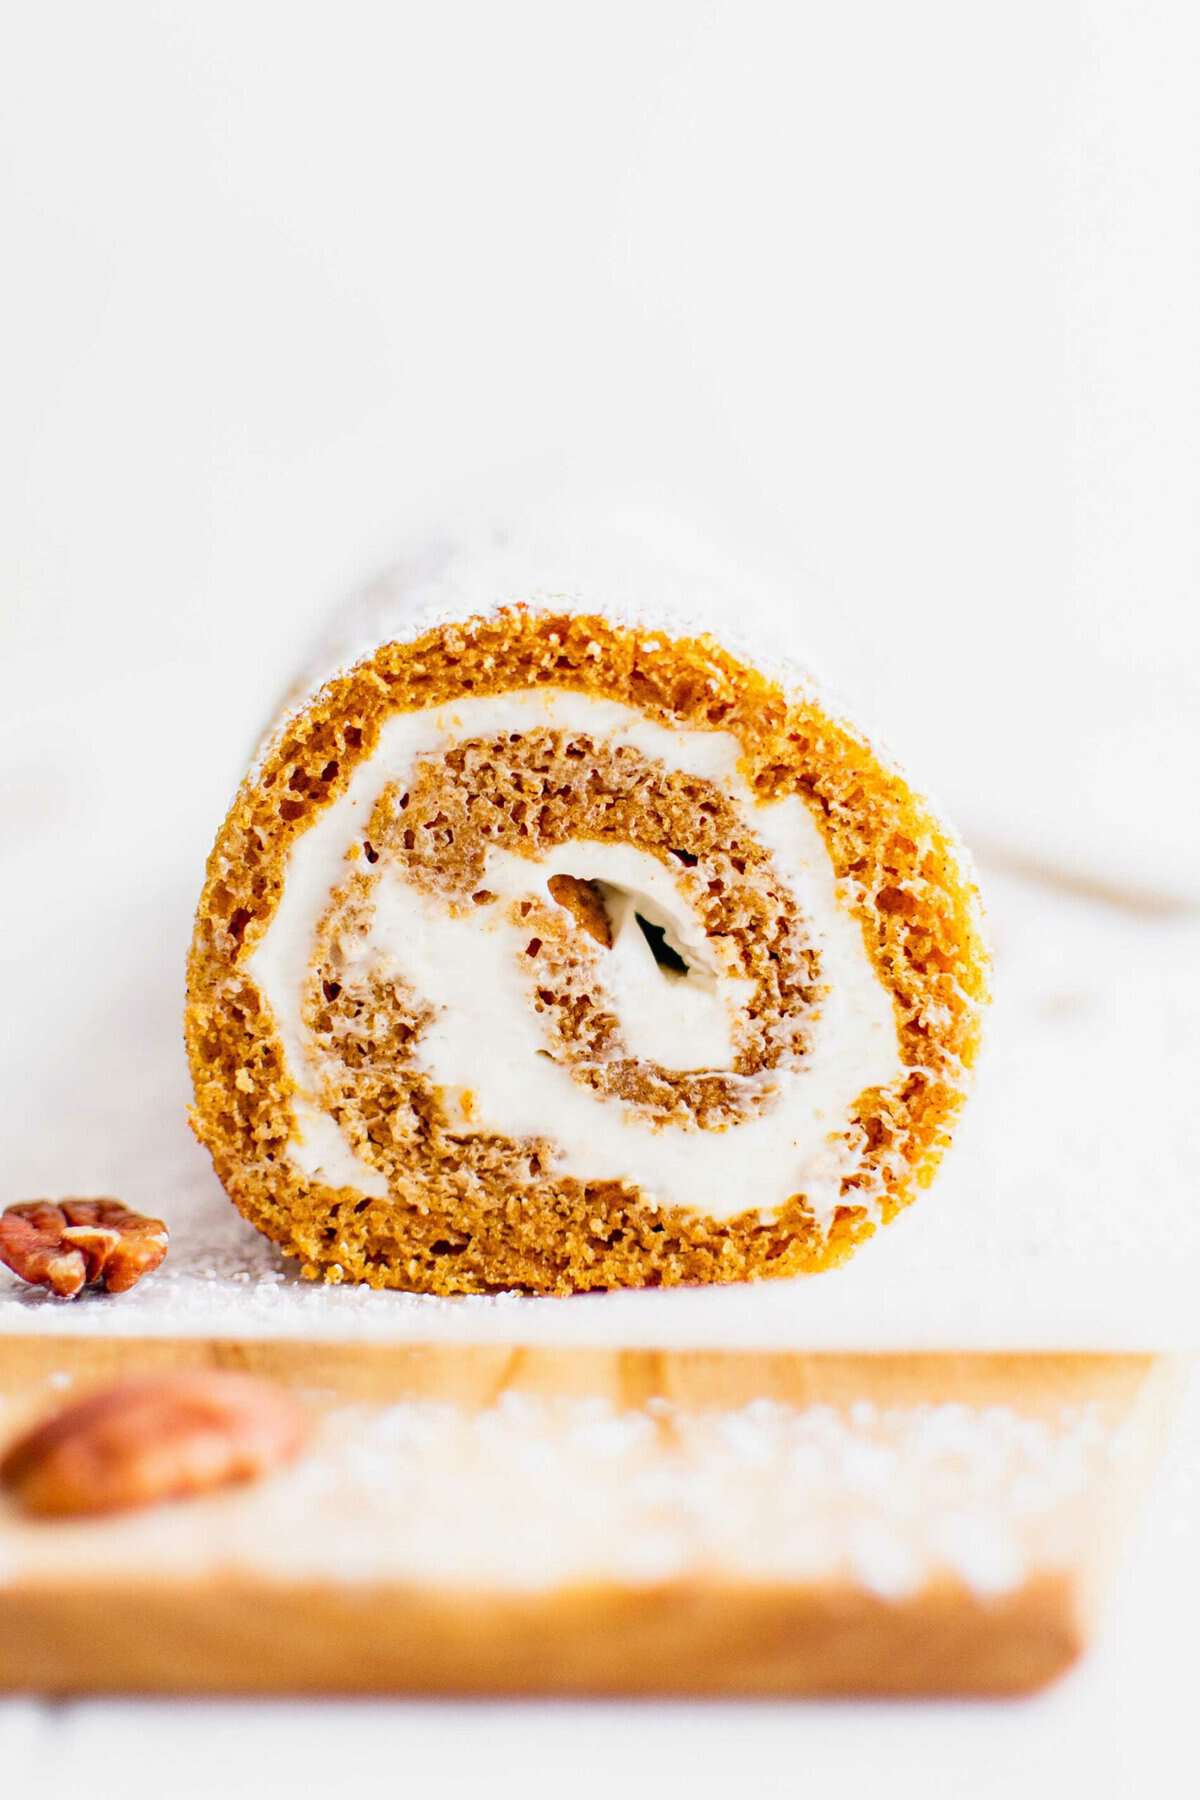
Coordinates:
(552, 945)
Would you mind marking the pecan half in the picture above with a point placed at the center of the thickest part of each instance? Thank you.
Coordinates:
(145, 1441)
(65, 1245)
(584, 900)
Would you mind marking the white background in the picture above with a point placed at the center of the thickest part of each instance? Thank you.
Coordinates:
(897, 300)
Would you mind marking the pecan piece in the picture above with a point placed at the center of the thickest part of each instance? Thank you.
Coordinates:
(584, 901)
(65, 1245)
(160, 1439)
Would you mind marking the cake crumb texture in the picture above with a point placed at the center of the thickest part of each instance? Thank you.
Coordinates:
(477, 1212)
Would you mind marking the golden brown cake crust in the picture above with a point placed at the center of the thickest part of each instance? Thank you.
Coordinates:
(918, 907)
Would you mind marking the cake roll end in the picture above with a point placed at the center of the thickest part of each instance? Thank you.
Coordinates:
(543, 952)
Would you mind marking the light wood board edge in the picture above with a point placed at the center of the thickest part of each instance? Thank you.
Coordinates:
(692, 1637)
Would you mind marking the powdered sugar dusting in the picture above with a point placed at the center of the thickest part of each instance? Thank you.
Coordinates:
(532, 1493)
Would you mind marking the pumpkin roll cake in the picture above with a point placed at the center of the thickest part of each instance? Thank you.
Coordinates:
(557, 940)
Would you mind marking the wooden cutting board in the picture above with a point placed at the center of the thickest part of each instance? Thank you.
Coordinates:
(479, 1519)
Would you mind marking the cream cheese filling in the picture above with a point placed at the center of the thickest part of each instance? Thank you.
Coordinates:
(683, 1022)
(486, 1038)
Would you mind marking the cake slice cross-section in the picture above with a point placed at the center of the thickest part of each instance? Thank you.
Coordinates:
(548, 946)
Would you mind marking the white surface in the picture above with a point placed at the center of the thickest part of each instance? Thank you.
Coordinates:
(902, 297)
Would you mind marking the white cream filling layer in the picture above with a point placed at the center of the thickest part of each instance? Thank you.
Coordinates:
(486, 1039)
(683, 1022)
